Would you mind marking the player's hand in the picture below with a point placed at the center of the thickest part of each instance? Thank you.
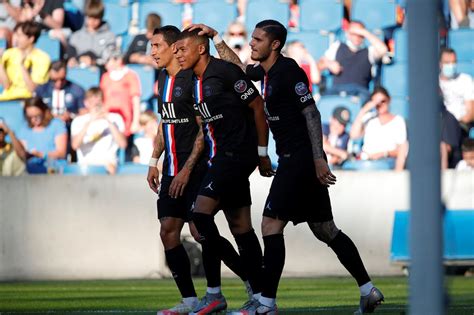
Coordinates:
(205, 30)
(323, 173)
(153, 178)
(179, 182)
(265, 166)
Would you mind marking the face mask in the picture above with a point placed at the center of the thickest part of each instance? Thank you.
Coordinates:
(117, 75)
(449, 70)
(354, 47)
(236, 41)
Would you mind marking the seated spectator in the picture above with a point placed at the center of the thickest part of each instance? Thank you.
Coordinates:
(94, 38)
(10, 162)
(97, 135)
(451, 139)
(143, 144)
(49, 13)
(44, 138)
(467, 162)
(64, 98)
(462, 13)
(7, 22)
(137, 50)
(303, 58)
(457, 89)
(335, 137)
(351, 62)
(122, 91)
(385, 134)
(24, 67)
(237, 39)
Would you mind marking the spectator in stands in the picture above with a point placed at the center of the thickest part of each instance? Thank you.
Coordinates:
(10, 162)
(462, 13)
(122, 91)
(303, 58)
(97, 135)
(44, 138)
(451, 139)
(457, 88)
(7, 22)
(64, 98)
(385, 134)
(237, 39)
(143, 145)
(49, 13)
(351, 62)
(94, 40)
(335, 137)
(137, 50)
(23, 67)
(467, 162)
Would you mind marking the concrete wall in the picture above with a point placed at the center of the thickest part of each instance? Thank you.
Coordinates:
(105, 227)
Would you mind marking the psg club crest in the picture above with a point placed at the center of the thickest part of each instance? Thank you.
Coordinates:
(240, 86)
(301, 89)
(207, 91)
(178, 91)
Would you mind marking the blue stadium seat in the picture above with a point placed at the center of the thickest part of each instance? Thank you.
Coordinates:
(401, 45)
(12, 113)
(466, 67)
(328, 103)
(85, 77)
(77, 169)
(215, 13)
(117, 15)
(170, 13)
(258, 10)
(3, 43)
(462, 41)
(400, 106)
(147, 79)
(49, 45)
(366, 165)
(315, 42)
(132, 168)
(395, 79)
(375, 14)
(126, 40)
(321, 15)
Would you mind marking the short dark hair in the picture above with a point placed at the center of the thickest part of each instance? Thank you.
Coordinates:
(468, 145)
(95, 9)
(58, 65)
(30, 29)
(153, 21)
(170, 33)
(446, 50)
(382, 90)
(275, 31)
(195, 34)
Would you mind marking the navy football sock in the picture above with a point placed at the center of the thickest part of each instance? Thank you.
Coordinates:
(251, 257)
(231, 258)
(273, 261)
(178, 262)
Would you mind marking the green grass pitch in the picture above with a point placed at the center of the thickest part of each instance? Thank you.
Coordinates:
(328, 295)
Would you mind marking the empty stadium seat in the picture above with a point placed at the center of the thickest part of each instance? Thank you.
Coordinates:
(401, 45)
(3, 43)
(117, 15)
(147, 79)
(375, 14)
(321, 15)
(132, 168)
(400, 106)
(462, 41)
(466, 67)
(327, 104)
(215, 13)
(315, 42)
(49, 45)
(12, 113)
(366, 165)
(170, 13)
(85, 77)
(258, 10)
(395, 79)
(77, 169)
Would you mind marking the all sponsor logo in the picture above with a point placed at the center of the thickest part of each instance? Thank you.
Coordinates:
(167, 110)
(301, 89)
(240, 86)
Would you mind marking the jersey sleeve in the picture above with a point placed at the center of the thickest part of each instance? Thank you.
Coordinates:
(241, 84)
(255, 72)
(298, 88)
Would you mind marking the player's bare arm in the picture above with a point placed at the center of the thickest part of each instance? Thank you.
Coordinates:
(180, 181)
(313, 122)
(153, 172)
(224, 51)
(265, 165)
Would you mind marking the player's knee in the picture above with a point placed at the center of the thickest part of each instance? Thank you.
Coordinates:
(169, 236)
(324, 231)
(272, 226)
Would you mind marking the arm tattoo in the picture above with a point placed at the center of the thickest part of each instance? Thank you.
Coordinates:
(197, 150)
(313, 122)
(227, 54)
(159, 143)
